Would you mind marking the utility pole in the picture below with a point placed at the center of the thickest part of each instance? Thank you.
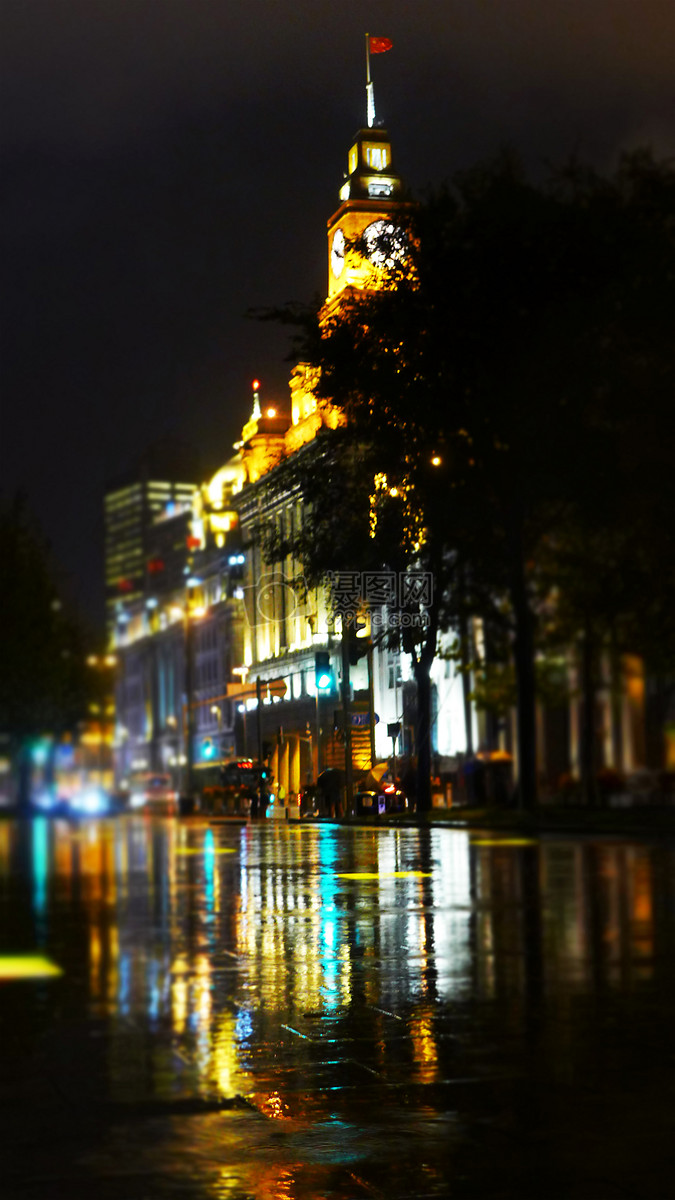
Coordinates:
(189, 706)
(318, 733)
(371, 701)
(258, 712)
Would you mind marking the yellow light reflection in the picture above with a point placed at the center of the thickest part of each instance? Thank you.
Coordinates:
(225, 1060)
(94, 961)
(200, 850)
(503, 842)
(424, 1047)
(27, 966)
(384, 875)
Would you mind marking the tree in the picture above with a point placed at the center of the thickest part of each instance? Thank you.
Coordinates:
(504, 373)
(42, 677)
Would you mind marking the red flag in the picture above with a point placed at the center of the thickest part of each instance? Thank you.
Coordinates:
(379, 45)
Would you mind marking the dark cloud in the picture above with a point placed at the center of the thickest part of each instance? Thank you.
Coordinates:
(168, 164)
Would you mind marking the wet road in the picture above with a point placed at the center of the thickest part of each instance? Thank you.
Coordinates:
(297, 1012)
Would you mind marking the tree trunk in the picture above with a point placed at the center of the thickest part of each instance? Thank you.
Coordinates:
(658, 701)
(587, 732)
(347, 717)
(523, 652)
(423, 735)
(616, 701)
(422, 667)
(465, 658)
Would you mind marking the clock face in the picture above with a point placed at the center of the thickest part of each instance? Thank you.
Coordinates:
(337, 253)
(384, 243)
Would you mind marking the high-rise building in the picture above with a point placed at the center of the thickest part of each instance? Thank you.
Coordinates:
(131, 508)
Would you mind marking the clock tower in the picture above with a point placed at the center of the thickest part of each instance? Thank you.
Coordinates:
(369, 197)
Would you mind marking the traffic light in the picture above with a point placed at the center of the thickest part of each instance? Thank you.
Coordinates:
(323, 674)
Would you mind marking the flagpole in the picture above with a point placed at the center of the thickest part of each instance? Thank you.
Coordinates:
(370, 91)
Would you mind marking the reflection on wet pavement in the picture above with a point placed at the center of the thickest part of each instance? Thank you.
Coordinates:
(301, 1011)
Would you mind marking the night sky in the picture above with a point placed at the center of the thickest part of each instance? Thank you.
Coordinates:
(169, 164)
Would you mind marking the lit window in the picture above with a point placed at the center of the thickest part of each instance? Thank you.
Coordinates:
(376, 157)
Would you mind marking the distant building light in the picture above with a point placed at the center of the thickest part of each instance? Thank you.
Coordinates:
(271, 412)
(256, 385)
(192, 581)
(151, 602)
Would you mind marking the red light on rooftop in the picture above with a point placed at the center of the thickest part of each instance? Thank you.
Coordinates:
(256, 385)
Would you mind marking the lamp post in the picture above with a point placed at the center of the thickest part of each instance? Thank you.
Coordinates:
(193, 611)
(189, 709)
(217, 712)
(242, 672)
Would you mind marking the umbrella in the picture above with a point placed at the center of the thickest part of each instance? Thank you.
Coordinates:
(372, 780)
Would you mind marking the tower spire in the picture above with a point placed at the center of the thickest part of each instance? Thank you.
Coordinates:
(370, 90)
(374, 45)
(256, 415)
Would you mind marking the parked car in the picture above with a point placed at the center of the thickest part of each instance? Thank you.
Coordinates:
(151, 791)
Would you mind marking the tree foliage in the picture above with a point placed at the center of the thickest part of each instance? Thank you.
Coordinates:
(513, 380)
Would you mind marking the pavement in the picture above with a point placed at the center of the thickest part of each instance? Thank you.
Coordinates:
(300, 1010)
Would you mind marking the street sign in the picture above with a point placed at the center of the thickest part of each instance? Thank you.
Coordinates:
(362, 719)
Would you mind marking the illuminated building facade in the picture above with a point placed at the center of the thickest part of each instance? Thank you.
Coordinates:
(174, 638)
(208, 616)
